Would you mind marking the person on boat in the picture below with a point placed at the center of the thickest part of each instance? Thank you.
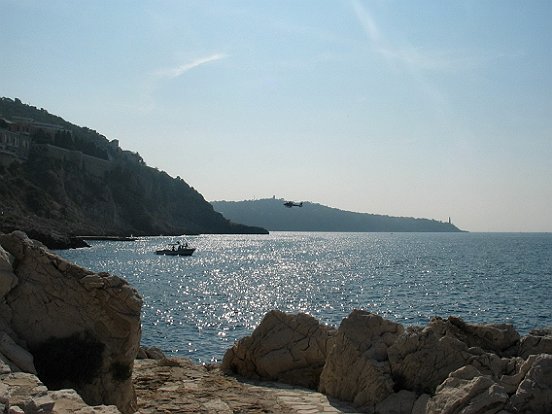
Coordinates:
(173, 248)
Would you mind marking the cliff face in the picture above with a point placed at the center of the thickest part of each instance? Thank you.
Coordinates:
(75, 181)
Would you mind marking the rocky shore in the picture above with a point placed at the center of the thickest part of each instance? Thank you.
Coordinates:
(49, 237)
(69, 339)
(379, 366)
(70, 327)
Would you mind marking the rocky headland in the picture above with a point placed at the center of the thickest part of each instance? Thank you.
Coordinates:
(59, 180)
(69, 339)
(271, 214)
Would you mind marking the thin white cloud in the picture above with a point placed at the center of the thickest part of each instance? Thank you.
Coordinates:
(410, 56)
(175, 72)
(417, 62)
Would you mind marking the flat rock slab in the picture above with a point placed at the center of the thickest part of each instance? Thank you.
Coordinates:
(180, 386)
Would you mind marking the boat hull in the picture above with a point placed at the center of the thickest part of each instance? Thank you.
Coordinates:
(181, 252)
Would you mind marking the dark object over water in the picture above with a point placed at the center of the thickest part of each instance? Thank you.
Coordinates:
(290, 204)
(177, 249)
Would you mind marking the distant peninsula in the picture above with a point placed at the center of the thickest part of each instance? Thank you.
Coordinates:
(58, 179)
(271, 213)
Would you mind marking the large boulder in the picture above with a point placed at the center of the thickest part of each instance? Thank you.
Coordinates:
(8, 280)
(401, 402)
(83, 328)
(357, 368)
(539, 341)
(467, 391)
(534, 393)
(501, 339)
(24, 393)
(15, 356)
(448, 366)
(286, 348)
(423, 357)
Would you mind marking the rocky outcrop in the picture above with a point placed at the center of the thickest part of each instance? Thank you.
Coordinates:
(534, 393)
(72, 327)
(285, 348)
(539, 341)
(23, 393)
(423, 357)
(85, 184)
(8, 280)
(150, 352)
(448, 366)
(357, 368)
(269, 213)
(467, 390)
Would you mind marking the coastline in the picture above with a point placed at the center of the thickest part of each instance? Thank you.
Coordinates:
(108, 238)
(65, 327)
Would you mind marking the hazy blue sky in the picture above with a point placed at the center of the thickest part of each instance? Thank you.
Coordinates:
(408, 108)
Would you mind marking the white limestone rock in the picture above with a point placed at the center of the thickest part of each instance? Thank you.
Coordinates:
(539, 341)
(8, 279)
(423, 358)
(501, 339)
(286, 348)
(447, 367)
(27, 392)
(357, 368)
(15, 356)
(467, 391)
(510, 381)
(67, 401)
(24, 393)
(534, 394)
(90, 320)
(420, 405)
(150, 352)
(4, 366)
(401, 402)
(495, 366)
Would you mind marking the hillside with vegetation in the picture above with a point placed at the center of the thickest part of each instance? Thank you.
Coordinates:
(75, 181)
(273, 215)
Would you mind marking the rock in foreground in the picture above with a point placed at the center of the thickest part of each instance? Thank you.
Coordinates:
(71, 327)
(285, 348)
(180, 386)
(449, 366)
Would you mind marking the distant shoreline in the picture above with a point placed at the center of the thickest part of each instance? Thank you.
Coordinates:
(108, 238)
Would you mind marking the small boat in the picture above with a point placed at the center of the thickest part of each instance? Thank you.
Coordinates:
(177, 249)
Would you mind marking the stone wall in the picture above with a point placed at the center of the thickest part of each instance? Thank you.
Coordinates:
(13, 146)
(92, 165)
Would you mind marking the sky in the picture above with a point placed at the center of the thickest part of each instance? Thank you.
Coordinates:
(431, 109)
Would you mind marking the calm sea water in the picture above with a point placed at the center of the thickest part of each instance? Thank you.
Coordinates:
(197, 306)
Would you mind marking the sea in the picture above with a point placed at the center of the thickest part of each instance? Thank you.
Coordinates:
(198, 306)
